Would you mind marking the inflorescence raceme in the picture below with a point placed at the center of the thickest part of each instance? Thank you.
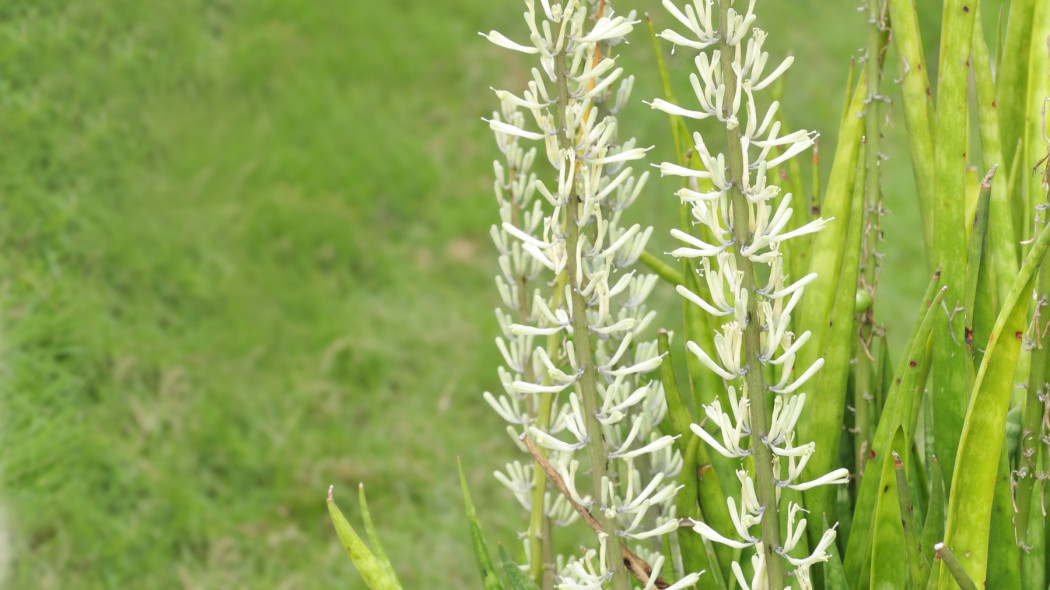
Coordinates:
(719, 195)
(575, 374)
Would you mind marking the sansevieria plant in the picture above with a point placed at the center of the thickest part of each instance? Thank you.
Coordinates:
(802, 451)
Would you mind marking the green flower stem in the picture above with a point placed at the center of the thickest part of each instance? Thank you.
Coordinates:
(915, 95)
(754, 380)
(1031, 454)
(872, 213)
(584, 349)
(1035, 144)
(950, 248)
(951, 563)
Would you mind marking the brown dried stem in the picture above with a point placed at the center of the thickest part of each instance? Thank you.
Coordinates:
(634, 564)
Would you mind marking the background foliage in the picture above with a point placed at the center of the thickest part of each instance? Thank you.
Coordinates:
(244, 254)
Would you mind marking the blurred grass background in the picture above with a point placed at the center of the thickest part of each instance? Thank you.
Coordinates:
(244, 254)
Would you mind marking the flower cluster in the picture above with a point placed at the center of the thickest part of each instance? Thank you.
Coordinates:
(575, 370)
(727, 190)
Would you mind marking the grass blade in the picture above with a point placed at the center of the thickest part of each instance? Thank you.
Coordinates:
(973, 267)
(694, 555)
(827, 254)
(1012, 82)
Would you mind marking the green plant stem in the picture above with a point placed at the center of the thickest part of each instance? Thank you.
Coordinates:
(754, 380)
(870, 236)
(584, 349)
(1030, 448)
(662, 269)
(1035, 130)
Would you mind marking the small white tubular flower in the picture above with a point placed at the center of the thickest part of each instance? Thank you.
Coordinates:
(722, 251)
(549, 442)
(669, 169)
(508, 129)
(837, 477)
(711, 534)
(498, 38)
(707, 362)
(518, 479)
(675, 110)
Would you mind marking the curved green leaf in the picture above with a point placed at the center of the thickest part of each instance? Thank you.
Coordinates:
(888, 555)
(973, 487)
(371, 569)
(488, 573)
(518, 579)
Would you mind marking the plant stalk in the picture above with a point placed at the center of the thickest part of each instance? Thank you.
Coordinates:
(583, 346)
(754, 380)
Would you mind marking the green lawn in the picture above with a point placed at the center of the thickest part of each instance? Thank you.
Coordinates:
(244, 251)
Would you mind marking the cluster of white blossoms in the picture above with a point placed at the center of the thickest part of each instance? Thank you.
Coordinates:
(709, 194)
(573, 344)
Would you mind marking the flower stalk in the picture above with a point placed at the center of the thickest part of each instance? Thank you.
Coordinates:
(596, 451)
(754, 379)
